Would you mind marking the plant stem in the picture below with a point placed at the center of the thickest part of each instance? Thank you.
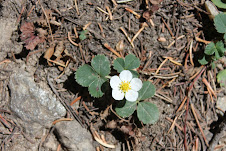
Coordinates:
(108, 77)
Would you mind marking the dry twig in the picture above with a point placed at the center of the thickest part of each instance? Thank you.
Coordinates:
(209, 87)
(69, 38)
(62, 119)
(75, 100)
(112, 50)
(76, 7)
(127, 36)
(196, 118)
(143, 25)
(133, 12)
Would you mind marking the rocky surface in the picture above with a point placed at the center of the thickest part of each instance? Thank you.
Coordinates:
(221, 104)
(8, 26)
(37, 107)
(73, 136)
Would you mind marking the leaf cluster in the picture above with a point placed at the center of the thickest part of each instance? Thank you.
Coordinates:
(147, 112)
(214, 51)
(220, 24)
(94, 76)
(129, 63)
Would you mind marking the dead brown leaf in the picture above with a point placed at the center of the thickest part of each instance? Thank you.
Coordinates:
(28, 35)
(49, 52)
(148, 13)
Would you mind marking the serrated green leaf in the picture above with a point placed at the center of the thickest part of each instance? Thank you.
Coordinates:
(85, 75)
(203, 61)
(147, 90)
(221, 78)
(210, 49)
(95, 87)
(219, 3)
(220, 48)
(131, 62)
(147, 112)
(101, 65)
(125, 108)
(220, 23)
(119, 64)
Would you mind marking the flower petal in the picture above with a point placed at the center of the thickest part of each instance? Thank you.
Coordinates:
(136, 84)
(115, 82)
(131, 95)
(126, 75)
(117, 94)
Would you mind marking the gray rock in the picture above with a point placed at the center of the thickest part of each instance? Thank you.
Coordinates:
(73, 136)
(8, 25)
(221, 104)
(50, 143)
(36, 107)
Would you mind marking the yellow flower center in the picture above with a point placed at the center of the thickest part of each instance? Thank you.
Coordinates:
(125, 86)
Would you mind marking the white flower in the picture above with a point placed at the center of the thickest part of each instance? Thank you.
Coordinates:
(125, 85)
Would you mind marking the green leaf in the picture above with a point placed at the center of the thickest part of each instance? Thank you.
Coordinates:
(210, 49)
(82, 35)
(219, 3)
(213, 65)
(119, 64)
(203, 61)
(220, 22)
(218, 51)
(85, 75)
(217, 56)
(221, 78)
(131, 62)
(134, 73)
(147, 112)
(101, 65)
(95, 87)
(224, 37)
(125, 108)
(147, 90)
(220, 48)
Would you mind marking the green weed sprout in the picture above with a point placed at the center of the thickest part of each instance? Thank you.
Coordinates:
(214, 51)
(83, 34)
(127, 89)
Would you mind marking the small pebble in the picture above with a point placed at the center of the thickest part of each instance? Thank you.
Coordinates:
(162, 39)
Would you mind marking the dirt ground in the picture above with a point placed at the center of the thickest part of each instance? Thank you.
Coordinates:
(189, 115)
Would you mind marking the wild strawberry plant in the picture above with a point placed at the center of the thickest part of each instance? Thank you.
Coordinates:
(127, 89)
(215, 51)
